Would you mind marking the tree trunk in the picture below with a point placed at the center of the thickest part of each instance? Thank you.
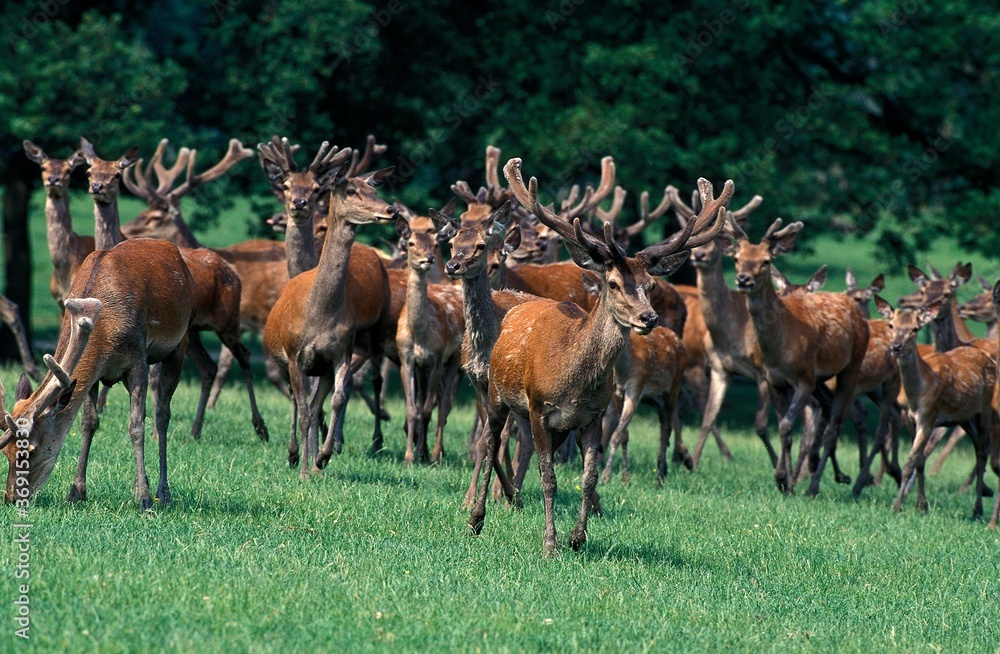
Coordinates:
(17, 249)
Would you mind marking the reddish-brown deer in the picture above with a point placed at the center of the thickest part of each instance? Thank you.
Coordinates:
(128, 308)
(67, 248)
(552, 362)
(802, 340)
(428, 340)
(956, 387)
(312, 329)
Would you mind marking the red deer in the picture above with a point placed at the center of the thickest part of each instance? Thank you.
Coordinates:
(312, 328)
(128, 308)
(729, 338)
(67, 248)
(218, 287)
(942, 389)
(802, 340)
(552, 361)
(428, 340)
(105, 184)
(981, 308)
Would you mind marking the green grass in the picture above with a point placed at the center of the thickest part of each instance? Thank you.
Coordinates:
(374, 555)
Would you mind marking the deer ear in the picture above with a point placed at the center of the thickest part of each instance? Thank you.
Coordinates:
(817, 281)
(960, 275)
(512, 240)
(916, 275)
(274, 173)
(582, 257)
(785, 243)
(129, 158)
(996, 293)
(928, 313)
(668, 265)
(592, 283)
(377, 178)
(727, 243)
(35, 153)
(445, 224)
(884, 308)
(88, 150)
(403, 228)
(23, 389)
(878, 284)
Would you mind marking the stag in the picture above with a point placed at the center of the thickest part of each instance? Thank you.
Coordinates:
(553, 362)
(128, 308)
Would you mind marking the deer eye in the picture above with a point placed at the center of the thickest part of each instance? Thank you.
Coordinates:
(480, 247)
(613, 285)
(351, 191)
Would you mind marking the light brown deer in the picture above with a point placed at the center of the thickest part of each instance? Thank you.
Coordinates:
(312, 329)
(729, 339)
(128, 308)
(552, 362)
(428, 340)
(981, 308)
(942, 389)
(105, 185)
(218, 287)
(67, 248)
(802, 340)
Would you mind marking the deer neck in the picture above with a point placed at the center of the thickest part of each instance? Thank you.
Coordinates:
(768, 315)
(482, 327)
(599, 345)
(300, 246)
(944, 328)
(184, 237)
(717, 303)
(417, 304)
(961, 329)
(329, 290)
(61, 238)
(107, 228)
(914, 373)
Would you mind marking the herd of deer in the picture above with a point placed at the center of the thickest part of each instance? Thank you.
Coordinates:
(551, 350)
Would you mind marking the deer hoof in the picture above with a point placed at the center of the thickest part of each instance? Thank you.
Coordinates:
(293, 459)
(76, 494)
(987, 491)
(146, 504)
(550, 548)
(322, 459)
(261, 430)
(841, 478)
(606, 476)
(163, 496)
(922, 504)
(577, 538)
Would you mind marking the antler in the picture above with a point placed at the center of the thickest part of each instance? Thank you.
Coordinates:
(492, 168)
(233, 156)
(645, 215)
(372, 150)
(611, 215)
(704, 227)
(82, 314)
(591, 198)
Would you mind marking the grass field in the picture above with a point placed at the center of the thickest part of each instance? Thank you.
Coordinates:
(373, 555)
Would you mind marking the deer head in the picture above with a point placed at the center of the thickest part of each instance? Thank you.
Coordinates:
(105, 176)
(753, 261)
(905, 323)
(708, 255)
(934, 288)
(863, 295)
(981, 307)
(627, 280)
(784, 287)
(478, 249)
(419, 236)
(55, 172)
(356, 200)
(41, 420)
(299, 190)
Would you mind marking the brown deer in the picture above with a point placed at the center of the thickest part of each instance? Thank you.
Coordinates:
(312, 328)
(218, 287)
(553, 362)
(981, 308)
(729, 339)
(428, 339)
(128, 308)
(67, 248)
(802, 340)
(105, 184)
(942, 389)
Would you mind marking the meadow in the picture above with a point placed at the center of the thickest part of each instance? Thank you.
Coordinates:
(374, 555)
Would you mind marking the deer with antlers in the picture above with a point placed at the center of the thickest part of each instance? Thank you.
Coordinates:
(729, 337)
(128, 308)
(67, 248)
(552, 362)
(313, 326)
(428, 338)
(802, 340)
(218, 286)
(942, 389)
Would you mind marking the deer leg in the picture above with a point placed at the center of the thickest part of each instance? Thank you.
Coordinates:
(386, 371)
(936, 437)
(477, 427)
(138, 384)
(480, 457)
(88, 426)
(242, 355)
(666, 408)
(206, 370)
(914, 464)
(546, 471)
(497, 490)
(102, 399)
(783, 476)
(491, 440)
(525, 448)
(432, 391)
(979, 430)
(378, 382)
(12, 317)
(956, 435)
(859, 418)
(629, 405)
(170, 376)
(273, 372)
(995, 464)
(225, 363)
(718, 384)
(842, 400)
(446, 398)
(408, 373)
(300, 393)
(760, 420)
(590, 437)
(334, 441)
